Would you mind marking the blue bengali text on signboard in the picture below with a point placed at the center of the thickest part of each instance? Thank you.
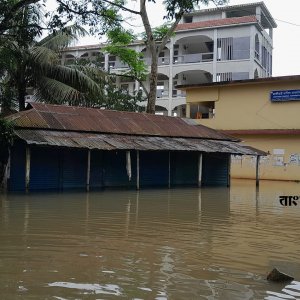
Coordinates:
(287, 95)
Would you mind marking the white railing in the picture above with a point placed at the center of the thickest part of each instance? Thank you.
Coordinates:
(193, 58)
(163, 61)
(117, 65)
(162, 93)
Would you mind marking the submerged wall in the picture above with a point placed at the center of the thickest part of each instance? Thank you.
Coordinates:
(54, 168)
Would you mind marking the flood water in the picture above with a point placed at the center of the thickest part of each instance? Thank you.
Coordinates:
(210, 243)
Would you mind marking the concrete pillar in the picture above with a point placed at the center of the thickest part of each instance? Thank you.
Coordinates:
(258, 13)
(171, 77)
(252, 52)
(106, 56)
(215, 55)
(271, 33)
(118, 82)
(188, 110)
(137, 86)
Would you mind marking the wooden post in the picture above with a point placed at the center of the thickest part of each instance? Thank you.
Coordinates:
(228, 172)
(200, 170)
(169, 181)
(88, 171)
(6, 172)
(27, 169)
(257, 170)
(137, 169)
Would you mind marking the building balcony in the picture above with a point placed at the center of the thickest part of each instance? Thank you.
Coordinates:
(193, 58)
(166, 94)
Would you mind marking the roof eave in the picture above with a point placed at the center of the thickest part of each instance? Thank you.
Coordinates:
(218, 26)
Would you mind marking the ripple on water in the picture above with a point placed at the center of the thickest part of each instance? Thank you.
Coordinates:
(107, 289)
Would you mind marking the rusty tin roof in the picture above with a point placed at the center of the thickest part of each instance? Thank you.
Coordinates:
(81, 119)
(88, 128)
(130, 142)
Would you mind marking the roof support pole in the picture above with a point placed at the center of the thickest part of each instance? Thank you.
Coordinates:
(6, 172)
(229, 170)
(169, 181)
(27, 169)
(200, 158)
(128, 164)
(257, 170)
(137, 169)
(88, 171)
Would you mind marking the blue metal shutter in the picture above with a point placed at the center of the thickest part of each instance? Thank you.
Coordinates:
(215, 170)
(115, 173)
(154, 168)
(184, 168)
(17, 167)
(96, 175)
(74, 168)
(44, 169)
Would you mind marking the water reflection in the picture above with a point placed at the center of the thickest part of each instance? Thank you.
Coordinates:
(153, 244)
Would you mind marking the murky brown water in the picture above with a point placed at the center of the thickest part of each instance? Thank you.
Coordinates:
(213, 243)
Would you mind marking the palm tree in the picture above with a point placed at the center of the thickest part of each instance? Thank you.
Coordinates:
(26, 63)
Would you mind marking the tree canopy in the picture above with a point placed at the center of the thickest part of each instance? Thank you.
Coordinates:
(28, 62)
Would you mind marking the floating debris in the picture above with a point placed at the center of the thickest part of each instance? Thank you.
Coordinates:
(276, 276)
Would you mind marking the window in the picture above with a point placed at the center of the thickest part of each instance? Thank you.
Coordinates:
(203, 110)
(188, 19)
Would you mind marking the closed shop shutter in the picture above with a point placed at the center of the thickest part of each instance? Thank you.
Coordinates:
(17, 168)
(215, 170)
(44, 169)
(74, 169)
(184, 168)
(154, 168)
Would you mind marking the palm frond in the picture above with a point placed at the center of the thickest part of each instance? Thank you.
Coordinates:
(63, 38)
(75, 77)
(97, 74)
(43, 56)
(54, 91)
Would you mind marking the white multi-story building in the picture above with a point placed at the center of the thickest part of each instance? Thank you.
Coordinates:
(209, 45)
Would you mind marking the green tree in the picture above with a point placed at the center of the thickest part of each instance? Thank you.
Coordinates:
(28, 63)
(12, 10)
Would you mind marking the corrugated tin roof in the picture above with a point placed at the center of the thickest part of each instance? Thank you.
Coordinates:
(130, 142)
(80, 119)
(217, 23)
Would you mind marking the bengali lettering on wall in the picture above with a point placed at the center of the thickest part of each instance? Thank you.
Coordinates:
(285, 95)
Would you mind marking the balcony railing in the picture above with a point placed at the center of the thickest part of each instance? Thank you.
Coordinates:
(165, 94)
(163, 61)
(193, 58)
(179, 59)
(162, 93)
(117, 65)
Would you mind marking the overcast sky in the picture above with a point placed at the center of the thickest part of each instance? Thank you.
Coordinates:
(286, 54)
